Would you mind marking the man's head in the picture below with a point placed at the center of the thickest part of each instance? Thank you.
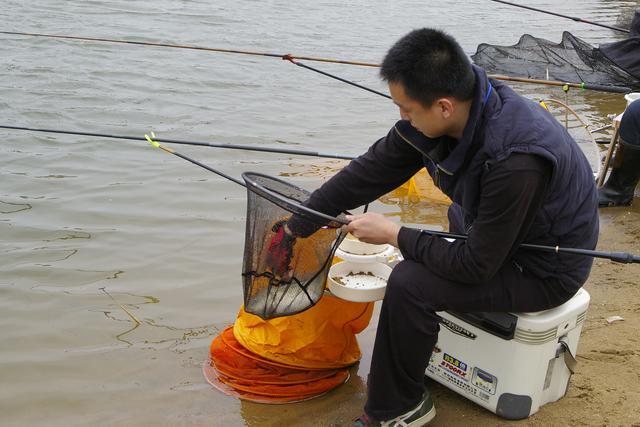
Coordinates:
(431, 80)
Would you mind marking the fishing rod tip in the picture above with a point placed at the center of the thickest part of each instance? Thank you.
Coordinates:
(151, 141)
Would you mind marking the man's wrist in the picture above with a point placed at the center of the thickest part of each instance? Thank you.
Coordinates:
(394, 230)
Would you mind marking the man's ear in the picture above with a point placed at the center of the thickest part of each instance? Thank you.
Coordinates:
(446, 107)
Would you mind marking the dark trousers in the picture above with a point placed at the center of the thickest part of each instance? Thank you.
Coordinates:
(408, 326)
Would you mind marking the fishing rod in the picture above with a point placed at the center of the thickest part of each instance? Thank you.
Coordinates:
(581, 85)
(614, 256)
(192, 47)
(184, 142)
(621, 257)
(156, 144)
(333, 76)
(564, 86)
(289, 57)
(573, 18)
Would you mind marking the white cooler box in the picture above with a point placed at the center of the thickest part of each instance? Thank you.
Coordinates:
(511, 364)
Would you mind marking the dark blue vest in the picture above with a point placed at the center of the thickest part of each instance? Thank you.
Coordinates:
(500, 123)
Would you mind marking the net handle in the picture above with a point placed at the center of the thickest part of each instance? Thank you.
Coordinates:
(257, 189)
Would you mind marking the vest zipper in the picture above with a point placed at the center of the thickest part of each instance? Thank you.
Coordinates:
(439, 168)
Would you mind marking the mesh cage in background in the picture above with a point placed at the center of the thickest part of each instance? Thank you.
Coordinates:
(272, 202)
(571, 60)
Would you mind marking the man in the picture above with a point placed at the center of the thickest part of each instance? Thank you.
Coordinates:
(514, 175)
(626, 53)
(625, 172)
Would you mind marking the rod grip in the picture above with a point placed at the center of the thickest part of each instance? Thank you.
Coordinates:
(624, 257)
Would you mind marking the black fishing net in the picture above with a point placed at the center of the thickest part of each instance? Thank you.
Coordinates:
(571, 60)
(288, 248)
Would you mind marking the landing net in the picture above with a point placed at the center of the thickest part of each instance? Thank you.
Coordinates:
(288, 248)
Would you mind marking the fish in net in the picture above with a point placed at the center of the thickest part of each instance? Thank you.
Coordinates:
(288, 248)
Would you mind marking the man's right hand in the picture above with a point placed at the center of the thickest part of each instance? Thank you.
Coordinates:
(373, 228)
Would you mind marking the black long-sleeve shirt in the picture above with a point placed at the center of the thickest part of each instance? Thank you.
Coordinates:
(511, 193)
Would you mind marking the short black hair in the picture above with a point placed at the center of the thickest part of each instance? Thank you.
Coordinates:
(429, 64)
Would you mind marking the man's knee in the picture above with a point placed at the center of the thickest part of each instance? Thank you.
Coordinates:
(408, 281)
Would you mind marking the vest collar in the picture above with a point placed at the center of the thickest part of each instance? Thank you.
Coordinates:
(481, 97)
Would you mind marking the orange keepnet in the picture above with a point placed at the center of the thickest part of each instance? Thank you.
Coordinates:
(322, 337)
(239, 373)
(288, 359)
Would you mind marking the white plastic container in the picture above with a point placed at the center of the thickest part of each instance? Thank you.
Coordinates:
(353, 246)
(630, 97)
(360, 282)
(353, 250)
(511, 365)
(388, 256)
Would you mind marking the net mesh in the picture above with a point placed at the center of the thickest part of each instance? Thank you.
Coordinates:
(284, 275)
(571, 60)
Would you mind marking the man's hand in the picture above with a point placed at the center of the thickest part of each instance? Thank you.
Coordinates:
(373, 228)
(280, 250)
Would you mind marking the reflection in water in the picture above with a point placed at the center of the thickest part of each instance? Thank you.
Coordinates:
(69, 236)
(324, 169)
(6, 207)
(134, 318)
(179, 337)
(419, 202)
(121, 334)
(336, 408)
(578, 128)
(416, 202)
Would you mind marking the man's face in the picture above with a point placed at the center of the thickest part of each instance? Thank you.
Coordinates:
(431, 121)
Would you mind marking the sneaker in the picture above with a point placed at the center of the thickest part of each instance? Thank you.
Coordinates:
(418, 416)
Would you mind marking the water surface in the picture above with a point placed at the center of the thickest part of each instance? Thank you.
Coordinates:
(81, 215)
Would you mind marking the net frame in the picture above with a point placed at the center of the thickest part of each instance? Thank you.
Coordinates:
(289, 205)
(280, 299)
